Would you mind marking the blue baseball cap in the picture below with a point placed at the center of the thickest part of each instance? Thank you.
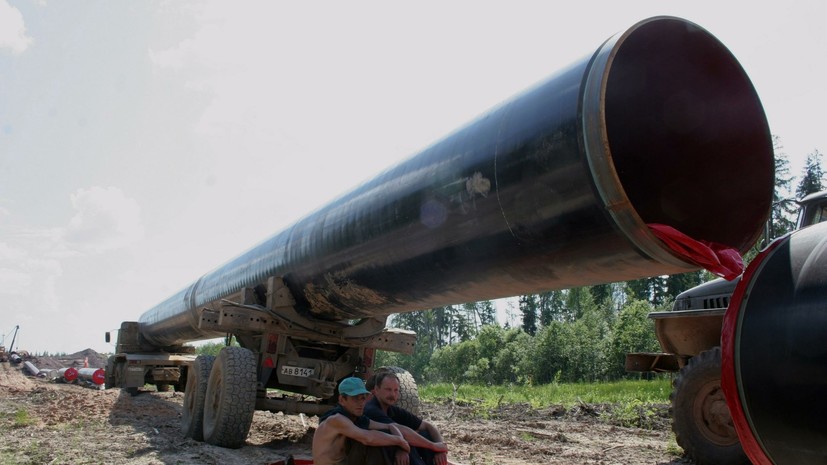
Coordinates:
(352, 387)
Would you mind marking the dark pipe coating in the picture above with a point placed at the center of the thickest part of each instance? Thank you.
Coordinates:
(774, 370)
(550, 190)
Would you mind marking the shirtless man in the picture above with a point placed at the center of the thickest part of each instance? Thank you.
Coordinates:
(345, 436)
(422, 435)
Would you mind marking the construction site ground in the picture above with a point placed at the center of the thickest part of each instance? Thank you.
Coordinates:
(46, 422)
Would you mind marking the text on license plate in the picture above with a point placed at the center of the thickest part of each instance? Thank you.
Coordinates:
(297, 371)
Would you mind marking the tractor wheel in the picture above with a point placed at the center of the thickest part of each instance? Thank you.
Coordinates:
(408, 392)
(231, 398)
(700, 417)
(120, 379)
(192, 418)
(109, 381)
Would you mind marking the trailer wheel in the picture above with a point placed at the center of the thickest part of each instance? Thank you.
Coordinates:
(700, 417)
(181, 385)
(192, 418)
(408, 392)
(231, 398)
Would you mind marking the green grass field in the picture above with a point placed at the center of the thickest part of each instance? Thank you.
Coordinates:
(618, 392)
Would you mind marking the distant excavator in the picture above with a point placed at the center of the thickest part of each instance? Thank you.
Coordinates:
(4, 356)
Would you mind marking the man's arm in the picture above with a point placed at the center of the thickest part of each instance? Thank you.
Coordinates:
(431, 429)
(406, 418)
(391, 428)
(441, 457)
(417, 440)
(371, 437)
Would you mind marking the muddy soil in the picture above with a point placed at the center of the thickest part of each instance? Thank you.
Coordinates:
(44, 422)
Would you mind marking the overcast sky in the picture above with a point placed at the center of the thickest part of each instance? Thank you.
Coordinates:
(143, 143)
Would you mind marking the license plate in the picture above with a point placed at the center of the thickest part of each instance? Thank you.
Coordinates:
(297, 371)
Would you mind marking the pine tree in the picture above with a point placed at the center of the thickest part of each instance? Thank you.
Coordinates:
(462, 324)
(601, 293)
(577, 301)
(480, 314)
(528, 307)
(677, 283)
(551, 307)
(813, 179)
(486, 312)
(782, 216)
(653, 290)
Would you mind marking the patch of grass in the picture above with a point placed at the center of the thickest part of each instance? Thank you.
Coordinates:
(672, 447)
(37, 452)
(527, 436)
(78, 425)
(22, 418)
(634, 414)
(567, 394)
(8, 456)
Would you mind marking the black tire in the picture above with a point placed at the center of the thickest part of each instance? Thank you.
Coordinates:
(120, 379)
(231, 398)
(163, 387)
(700, 417)
(181, 385)
(192, 417)
(408, 392)
(109, 380)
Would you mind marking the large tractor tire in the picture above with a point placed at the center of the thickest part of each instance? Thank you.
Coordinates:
(120, 379)
(408, 392)
(700, 417)
(192, 418)
(109, 381)
(231, 398)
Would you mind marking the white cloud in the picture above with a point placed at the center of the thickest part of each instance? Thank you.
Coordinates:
(172, 58)
(14, 282)
(39, 264)
(12, 29)
(8, 252)
(105, 219)
(22, 274)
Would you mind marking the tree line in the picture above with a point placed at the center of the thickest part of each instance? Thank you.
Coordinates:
(570, 335)
(580, 334)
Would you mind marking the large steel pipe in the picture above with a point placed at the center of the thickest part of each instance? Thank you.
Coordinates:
(68, 374)
(774, 355)
(550, 190)
(95, 376)
(29, 366)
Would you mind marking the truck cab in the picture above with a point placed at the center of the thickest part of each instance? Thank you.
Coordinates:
(813, 209)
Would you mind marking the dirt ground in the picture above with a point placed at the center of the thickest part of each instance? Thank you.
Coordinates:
(44, 422)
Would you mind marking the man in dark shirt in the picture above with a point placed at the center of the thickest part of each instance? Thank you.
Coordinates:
(427, 445)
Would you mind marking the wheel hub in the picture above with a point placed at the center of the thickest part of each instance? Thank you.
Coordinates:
(713, 417)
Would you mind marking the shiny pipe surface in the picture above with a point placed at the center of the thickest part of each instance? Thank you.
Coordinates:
(550, 190)
(92, 375)
(33, 370)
